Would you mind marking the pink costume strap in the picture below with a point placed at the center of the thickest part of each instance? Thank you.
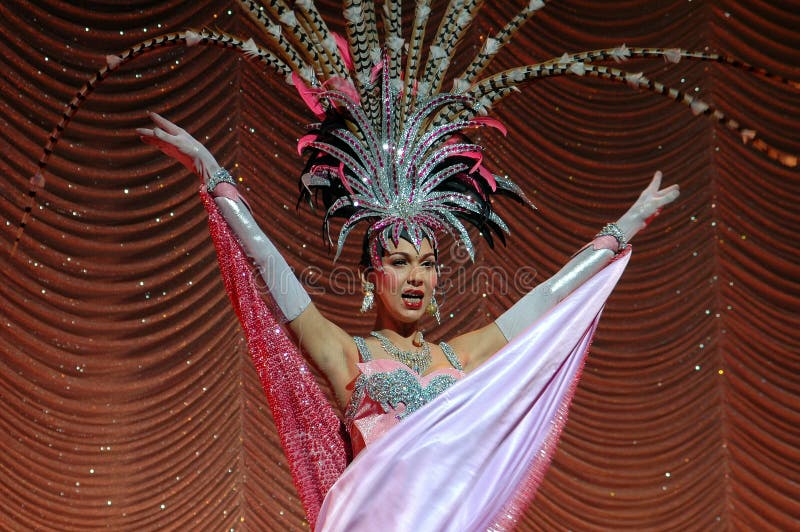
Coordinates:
(474, 458)
(310, 437)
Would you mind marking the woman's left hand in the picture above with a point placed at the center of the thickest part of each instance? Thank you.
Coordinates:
(650, 202)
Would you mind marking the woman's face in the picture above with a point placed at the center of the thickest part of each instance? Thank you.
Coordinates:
(405, 286)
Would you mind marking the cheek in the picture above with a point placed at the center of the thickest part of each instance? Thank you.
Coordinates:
(389, 281)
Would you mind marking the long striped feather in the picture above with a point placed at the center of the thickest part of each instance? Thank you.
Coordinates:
(329, 52)
(421, 17)
(453, 36)
(298, 61)
(493, 89)
(362, 33)
(436, 53)
(184, 38)
(492, 45)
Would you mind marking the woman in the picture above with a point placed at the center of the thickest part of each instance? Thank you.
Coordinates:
(372, 377)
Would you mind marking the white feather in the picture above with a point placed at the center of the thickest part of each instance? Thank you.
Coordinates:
(491, 46)
(460, 85)
(274, 30)
(535, 5)
(395, 43)
(620, 53)
(289, 18)
(423, 88)
(699, 107)
(673, 55)
(484, 106)
(635, 79)
(579, 69)
(192, 38)
(437, 52)
(250, 48)
(423, 11)
(353, 14)
(113, 61)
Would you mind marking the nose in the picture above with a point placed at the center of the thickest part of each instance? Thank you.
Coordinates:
(415, 276)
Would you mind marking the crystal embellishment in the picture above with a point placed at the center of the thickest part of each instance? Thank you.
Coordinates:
(400, 386)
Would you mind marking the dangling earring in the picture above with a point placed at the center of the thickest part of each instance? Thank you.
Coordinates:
(433, 309)
(369, 296)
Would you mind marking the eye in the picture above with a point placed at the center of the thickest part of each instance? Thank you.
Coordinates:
(398, 262)
(429, 264)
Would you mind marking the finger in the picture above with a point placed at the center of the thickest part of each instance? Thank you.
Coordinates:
(668, 190)
(669, 194)
(147, 139)
(165, 124)
(163, 135)
(655, 184)
(144, 132)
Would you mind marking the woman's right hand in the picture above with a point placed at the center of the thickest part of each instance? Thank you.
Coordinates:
(180, 145)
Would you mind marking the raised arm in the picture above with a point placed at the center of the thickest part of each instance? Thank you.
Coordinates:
(477, 346)
(326, 343)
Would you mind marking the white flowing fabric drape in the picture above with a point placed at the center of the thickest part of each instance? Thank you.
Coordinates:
(472, 458)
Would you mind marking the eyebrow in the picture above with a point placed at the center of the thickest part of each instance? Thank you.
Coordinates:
(408, 256)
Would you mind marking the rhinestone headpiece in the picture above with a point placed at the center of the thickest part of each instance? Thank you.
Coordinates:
(407, 175)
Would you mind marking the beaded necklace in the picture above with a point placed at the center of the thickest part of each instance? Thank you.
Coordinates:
(419, 361)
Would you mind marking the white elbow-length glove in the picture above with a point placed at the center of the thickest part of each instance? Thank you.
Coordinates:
(283, 285)
(590, 260)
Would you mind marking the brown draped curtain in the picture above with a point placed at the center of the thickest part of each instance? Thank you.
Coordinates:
(129, 402)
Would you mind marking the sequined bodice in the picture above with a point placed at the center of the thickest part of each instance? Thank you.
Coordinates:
(387, 391)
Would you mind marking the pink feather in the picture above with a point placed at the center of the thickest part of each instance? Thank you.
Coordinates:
(344, 179)
(308, 95)
(344, 86)
(344, 50)
(376, 70)
(304, 141)
(491, 122)
(487, 175)
(478, 166)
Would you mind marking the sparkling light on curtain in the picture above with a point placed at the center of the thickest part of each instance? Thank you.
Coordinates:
(129, 402)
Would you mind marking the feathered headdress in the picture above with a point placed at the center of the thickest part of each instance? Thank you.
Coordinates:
(411, 178)
(389, 148)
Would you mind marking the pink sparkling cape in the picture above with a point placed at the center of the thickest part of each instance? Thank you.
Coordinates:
(470, 460)
(306, 422)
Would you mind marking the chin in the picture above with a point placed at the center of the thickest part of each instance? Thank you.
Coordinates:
(409, 315)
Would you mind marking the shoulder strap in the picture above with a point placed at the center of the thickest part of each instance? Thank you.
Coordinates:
(451, 356)
(363, 350)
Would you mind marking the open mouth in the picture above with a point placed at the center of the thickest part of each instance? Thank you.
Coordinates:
(413, 299)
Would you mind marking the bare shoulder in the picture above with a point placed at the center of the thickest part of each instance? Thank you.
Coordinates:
(475, 347)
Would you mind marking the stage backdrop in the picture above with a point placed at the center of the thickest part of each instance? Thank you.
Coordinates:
(128, 399)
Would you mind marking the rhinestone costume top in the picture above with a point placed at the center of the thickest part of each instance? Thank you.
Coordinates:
(387, 391)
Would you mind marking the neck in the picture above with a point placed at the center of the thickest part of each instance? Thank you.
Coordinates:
(403, 329)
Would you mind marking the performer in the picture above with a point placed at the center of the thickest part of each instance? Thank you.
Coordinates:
(382, 380)
(453, 436)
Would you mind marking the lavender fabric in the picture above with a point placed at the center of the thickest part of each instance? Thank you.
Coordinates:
(473, 458)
